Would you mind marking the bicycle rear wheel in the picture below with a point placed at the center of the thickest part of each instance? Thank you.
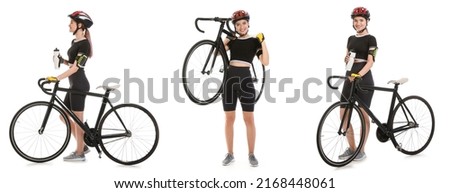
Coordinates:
(204, 71)
(413, 125)
(333, 142)
(130, 147)
(31, 141)
(259, 78)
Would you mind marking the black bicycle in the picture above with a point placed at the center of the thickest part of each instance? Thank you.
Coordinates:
(40, 131)
(410, 124)
(204, 69)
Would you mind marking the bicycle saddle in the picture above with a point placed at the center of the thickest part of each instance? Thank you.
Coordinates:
(106, 87)
(399, 81)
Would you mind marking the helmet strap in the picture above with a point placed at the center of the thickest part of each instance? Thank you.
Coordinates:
(78, 27)
(239, 33)
(360, 31)
(76, 30)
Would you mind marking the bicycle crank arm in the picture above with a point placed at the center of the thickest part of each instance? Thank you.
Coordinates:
(98, 151)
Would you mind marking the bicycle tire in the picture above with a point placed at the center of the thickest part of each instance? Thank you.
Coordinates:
(196, 82)
(330, 143)
(139, 145)
(260, 74)
(414, 140)
(24, 132)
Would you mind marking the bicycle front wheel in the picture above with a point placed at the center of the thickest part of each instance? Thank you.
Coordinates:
(34, 140)
(339, 143)
(128, 134)
(412, 125)
(204, 71)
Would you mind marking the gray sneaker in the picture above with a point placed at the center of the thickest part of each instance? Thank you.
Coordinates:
(253, 161)
(85, 150)
(360, 156)
(347, 153)
(229, 158)
(74, 157)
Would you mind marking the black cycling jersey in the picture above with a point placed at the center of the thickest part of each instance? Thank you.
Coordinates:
(80, 47)
(244, 49)
(78, 80)
(361, 45)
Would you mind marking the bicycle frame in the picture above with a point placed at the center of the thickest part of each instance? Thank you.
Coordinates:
(395, 97)
(71, 114)
(219, 42)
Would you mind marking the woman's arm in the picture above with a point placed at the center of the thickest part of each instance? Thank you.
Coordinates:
(72, 69)
(347, 57)
(367, 67)
(264, 57)
(225, 43)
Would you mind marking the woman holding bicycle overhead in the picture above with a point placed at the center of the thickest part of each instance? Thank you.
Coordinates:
(239, 83)
(78, 54)
(361, 48)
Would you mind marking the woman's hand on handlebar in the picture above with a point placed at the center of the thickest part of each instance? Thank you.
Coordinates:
(353, 76)
(52, 79)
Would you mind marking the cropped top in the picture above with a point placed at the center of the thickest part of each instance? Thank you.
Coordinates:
(244, 49)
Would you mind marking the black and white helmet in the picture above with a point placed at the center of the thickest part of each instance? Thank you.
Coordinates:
(82, 17)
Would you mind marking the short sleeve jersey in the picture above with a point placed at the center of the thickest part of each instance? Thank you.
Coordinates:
(361, 45)
(244, 49)
(82, 47)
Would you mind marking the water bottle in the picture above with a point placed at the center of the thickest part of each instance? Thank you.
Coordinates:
(56, 61)
(351, 60)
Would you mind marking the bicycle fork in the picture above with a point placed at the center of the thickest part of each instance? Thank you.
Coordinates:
(342, 130)
(44, 122)
(47, 113)
(214, 51)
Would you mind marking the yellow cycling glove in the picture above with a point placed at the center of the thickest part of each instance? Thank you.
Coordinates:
(52, 79)
(260, 37)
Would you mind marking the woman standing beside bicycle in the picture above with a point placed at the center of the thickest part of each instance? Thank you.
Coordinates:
(239, 83)
(363, 47)
(78, 54)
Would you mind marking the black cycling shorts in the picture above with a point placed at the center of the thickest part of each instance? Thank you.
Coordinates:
(238, 85)
(75, 102)
(78, 82)
(366, 80)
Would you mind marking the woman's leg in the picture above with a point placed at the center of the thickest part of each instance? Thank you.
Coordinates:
(367, 123)
(230, 116)
(349, 132)
(79, 134)
(251, 131)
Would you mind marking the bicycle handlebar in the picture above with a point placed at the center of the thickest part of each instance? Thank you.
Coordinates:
(216, 19)
(334, 77)
(356, 81)
(42, 82)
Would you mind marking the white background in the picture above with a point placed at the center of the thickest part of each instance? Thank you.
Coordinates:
(151, 39)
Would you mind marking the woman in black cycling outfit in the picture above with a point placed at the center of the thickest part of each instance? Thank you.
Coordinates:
(239, 85)
(78, 54)
(365, 47)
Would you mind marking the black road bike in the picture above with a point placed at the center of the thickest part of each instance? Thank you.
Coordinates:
(410, 124)
(204, 69)
(40, 131)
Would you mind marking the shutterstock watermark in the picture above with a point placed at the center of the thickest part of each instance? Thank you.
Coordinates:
(271, 85)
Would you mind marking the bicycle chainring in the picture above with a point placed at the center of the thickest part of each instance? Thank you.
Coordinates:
(381, 136)
(91, 142)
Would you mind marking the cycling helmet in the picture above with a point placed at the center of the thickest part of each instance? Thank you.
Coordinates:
(361, 11)
(238, 15)
(82, 17)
